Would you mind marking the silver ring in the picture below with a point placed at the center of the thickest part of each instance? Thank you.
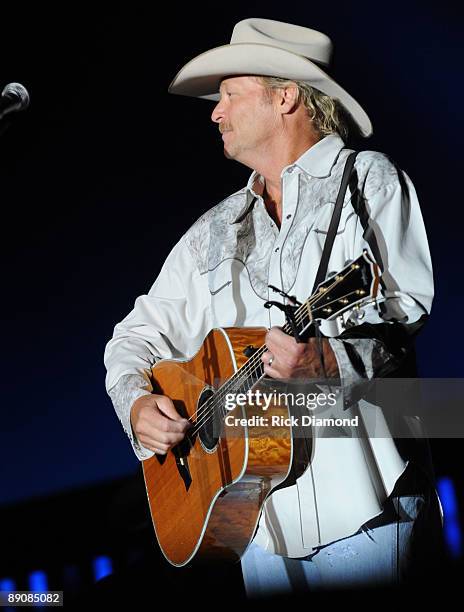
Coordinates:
(270, 361)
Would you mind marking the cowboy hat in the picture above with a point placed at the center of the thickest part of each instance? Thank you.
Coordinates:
(267, 48)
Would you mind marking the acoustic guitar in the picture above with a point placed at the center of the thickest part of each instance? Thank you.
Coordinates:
(206, 494)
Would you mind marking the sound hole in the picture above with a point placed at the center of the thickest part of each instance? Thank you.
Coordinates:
(209, 421)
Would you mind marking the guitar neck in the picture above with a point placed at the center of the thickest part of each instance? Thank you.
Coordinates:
(355, 285)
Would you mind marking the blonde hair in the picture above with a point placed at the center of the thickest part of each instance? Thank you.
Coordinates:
(327, 114)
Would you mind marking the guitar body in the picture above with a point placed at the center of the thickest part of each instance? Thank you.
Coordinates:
(205, 497)
(206, 494)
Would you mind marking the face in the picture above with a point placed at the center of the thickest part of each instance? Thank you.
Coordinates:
(245, 117)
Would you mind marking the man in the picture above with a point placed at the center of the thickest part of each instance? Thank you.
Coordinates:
(347, 520)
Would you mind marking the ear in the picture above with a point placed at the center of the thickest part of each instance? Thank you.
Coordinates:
(286, 98)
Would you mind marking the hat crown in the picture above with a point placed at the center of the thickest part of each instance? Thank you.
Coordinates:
(309, 43)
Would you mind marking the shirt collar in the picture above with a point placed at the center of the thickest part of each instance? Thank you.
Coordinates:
(317, 161)
(255, 187)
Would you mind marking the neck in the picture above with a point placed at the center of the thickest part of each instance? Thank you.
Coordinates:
(270, 167)
(273, 207)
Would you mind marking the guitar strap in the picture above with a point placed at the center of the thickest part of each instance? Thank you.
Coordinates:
(335, 221)
(302, 451)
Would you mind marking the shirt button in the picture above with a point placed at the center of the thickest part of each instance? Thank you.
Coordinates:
(290, 170)
(288, 216)
(276, 249)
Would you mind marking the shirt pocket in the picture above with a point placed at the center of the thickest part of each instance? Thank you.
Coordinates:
(220, 285)
(343, 249)
(233, 301)
(220, 278)
(322, 222)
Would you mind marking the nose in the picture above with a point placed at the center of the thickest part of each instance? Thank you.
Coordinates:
(218, 112)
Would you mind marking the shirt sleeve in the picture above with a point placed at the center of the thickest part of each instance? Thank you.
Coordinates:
(123, 394)
(170, 321)
(390, 226)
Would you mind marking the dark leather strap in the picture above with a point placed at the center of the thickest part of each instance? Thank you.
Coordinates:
(334, 223)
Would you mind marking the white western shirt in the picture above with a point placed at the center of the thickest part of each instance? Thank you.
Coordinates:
(217, 275)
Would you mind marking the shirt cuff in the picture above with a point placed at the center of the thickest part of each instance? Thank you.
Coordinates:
(123, 395)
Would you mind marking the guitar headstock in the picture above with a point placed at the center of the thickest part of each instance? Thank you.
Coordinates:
(356, 284)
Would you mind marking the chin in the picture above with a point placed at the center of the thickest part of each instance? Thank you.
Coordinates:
(228, 154)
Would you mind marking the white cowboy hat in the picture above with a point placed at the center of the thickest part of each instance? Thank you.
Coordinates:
(269, 48)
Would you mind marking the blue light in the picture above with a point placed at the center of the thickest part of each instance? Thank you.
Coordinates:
(102, 566)
(452, 528)
(38, 582)
(7, 584)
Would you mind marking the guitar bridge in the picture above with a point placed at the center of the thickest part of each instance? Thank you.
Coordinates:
(182, 466)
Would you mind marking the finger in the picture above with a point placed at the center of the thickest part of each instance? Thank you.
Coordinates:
(266, 357)
(273, 337)
(161, 425)
(281, 344)
(156, 447)
(166, 405)
(170, 418)
(287, 358)
(269, 370)
(162, 442)
(160, 430)
(158, 451)
(167, 438)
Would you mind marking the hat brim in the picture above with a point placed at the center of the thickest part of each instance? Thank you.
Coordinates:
(201, 76)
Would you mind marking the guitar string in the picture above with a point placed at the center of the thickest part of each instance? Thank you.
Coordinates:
(300, 315)
(242, 373)
(241, 376)
(250, 366)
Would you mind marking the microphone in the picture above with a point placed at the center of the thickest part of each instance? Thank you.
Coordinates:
(14, 97)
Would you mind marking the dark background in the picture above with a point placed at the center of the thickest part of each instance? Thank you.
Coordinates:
(106, 170)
